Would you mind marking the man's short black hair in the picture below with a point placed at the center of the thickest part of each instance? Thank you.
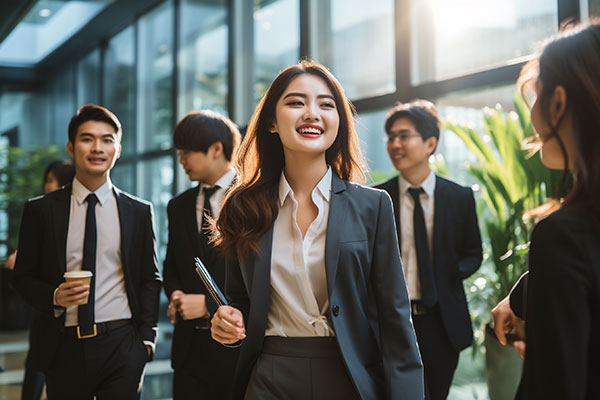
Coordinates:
(198, 130)
(421, 113)
(93, 112)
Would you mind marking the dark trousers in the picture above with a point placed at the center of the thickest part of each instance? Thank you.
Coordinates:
(33, 381)
(207, 371)
(300, 369)
(439, 356)
(109, 366)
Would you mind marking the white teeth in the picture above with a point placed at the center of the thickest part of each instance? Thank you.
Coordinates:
(310, 130)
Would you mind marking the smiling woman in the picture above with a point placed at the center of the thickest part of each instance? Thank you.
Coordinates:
(312, 262)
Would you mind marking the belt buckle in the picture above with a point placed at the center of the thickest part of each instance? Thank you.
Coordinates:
(91, 335)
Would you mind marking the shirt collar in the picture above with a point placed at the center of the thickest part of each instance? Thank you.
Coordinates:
(224, 181)
(428, 184)
(324, 186)
(103, 193)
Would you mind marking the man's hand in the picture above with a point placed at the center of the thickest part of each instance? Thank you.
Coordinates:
(227, 325)
(191, 306)
(70, 293)
(10, 261)
(172, 308)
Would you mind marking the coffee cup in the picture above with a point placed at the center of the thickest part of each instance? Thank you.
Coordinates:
(83, 276)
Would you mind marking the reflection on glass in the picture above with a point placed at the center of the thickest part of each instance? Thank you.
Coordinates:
(372, 135)
(119, 84)
(466, 109)
(358, 45)
(88, 79)
(155, 70)
(450, 38)
(62, 103)
(203, 58)
(276, 40)
(154, 183)
(594, 8)
(122, 176)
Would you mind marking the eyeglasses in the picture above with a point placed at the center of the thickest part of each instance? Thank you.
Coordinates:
(403, 137)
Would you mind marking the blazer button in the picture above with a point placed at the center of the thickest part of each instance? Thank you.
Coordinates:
(336, 311)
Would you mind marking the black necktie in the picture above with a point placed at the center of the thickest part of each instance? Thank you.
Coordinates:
(425, 266)
(207, 209)
(85, 313)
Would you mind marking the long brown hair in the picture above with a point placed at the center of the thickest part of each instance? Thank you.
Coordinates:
(571, 59)
(250, 207)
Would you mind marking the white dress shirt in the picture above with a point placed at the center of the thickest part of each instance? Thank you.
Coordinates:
(216, 200)
(409, 253)
(299, 300)
(111, 298)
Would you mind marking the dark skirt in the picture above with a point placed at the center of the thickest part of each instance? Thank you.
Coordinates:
(303, 368)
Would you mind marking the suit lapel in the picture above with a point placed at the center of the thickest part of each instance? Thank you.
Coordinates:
(191, 220)
(335, 226)
(439, 218)
(127, 226)
(261, 278)
(60, 211)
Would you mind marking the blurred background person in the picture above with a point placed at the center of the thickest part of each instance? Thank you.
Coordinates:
(439, 241)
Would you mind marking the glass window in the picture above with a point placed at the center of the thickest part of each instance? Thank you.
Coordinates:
(594, 8)
(62, 103)
(123, 176)
(203, 59)
(155, 73)
(466, 109)
(119, 84)
(372, 142)
(357, 43)
(458, 37)
(276, 40)
(154, 183)
(88, 79)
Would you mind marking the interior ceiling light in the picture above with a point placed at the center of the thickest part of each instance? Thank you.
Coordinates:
(44, 12)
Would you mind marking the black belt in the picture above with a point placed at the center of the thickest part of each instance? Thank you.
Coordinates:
(97, 329)
(203, 323)
(419, 308)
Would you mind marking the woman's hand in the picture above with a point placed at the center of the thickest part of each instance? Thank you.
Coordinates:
(505, 321)
(227, 325)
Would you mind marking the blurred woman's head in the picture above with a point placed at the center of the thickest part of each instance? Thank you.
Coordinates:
(566, 112)
(57, 174)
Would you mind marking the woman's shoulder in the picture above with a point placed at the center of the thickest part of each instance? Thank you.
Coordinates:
(567, 220)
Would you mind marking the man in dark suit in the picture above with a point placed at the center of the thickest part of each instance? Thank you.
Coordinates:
(206, 143)
(439, 241)
(99, 348)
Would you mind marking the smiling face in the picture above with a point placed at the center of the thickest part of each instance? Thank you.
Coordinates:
(95, 150)
(306, 116)
(408, 151)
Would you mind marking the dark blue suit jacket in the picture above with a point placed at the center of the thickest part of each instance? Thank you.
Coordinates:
(41, 264)
(368, 300)
(209, 358)
(456, 254)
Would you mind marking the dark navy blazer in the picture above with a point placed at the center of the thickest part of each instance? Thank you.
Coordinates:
(456, 254)
(368, 300)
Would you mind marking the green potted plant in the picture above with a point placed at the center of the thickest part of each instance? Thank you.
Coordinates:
(511, 181)
(21, 171)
